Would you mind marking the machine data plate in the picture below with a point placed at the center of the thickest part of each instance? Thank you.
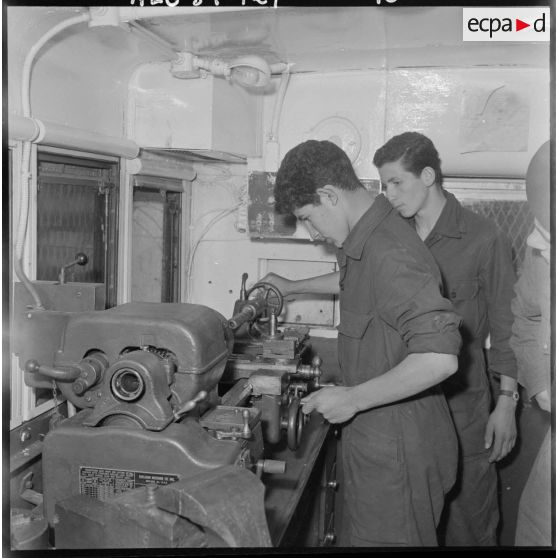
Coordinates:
(104, 483)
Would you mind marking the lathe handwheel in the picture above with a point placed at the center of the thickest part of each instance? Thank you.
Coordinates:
(271, 294)
(295, 423)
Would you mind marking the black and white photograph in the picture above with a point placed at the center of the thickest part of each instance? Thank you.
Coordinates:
(278, 277)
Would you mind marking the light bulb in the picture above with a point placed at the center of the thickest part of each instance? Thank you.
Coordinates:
(245, 75)
(250, 71)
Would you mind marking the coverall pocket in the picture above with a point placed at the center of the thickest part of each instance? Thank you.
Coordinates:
(464, 289)
(376, 491)
(356, 338)
(354, 324)
(464, 295)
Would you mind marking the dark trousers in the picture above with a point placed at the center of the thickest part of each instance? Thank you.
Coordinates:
(394, 485)
(534, 517)
(471, 513)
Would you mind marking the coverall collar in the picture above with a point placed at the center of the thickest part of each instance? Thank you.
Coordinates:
(451, 222)
(376, 213)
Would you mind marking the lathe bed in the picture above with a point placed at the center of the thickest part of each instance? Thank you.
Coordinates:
(299, 504)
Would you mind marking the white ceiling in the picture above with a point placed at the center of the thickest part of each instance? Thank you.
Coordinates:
(341, 38)
(311, 39)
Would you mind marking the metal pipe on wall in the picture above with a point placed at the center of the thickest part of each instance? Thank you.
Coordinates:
(25, 166)
(21, 128)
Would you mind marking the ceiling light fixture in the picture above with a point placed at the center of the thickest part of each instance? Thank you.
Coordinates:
(251, 71)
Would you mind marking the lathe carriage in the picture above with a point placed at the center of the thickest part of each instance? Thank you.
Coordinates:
(184, 420)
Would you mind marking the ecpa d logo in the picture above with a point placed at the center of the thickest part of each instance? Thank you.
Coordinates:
(506, 24)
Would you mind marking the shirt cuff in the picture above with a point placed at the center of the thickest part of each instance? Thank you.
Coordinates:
(446, 343)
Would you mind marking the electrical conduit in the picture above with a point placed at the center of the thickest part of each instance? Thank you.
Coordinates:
(25, 169)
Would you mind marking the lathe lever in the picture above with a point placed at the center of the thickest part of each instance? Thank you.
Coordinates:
(190, 405)
(235, 433)
(246, 430)
(80, 259)
(318, 385)
(66, 375)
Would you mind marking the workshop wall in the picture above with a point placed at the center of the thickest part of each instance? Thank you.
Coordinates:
(222, 249)
(476, 116)
(79, 80)
(360, 110)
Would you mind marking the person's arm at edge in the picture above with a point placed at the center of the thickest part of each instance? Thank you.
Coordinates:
(525, 335)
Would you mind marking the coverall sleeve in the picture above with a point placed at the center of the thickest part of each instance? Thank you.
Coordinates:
(409, 300)
(497, 278)
(526, 340)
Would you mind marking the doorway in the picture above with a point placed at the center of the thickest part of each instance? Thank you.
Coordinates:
(156, 229)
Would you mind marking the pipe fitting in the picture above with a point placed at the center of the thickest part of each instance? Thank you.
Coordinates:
(104, 16)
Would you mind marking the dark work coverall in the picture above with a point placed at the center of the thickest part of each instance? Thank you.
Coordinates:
(399, 459)
(477, 270)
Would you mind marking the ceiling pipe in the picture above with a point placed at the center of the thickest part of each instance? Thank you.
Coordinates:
(21, 128)
(115, 15)
(159, 42)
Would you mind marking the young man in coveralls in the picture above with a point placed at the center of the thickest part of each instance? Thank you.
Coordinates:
(478, 275)
(398, 340)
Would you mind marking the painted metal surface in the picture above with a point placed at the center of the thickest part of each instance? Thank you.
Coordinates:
(484, 121)
(198, 114)
(347, 108)
(79, 78)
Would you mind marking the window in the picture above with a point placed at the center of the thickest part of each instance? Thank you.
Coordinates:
(77, 213)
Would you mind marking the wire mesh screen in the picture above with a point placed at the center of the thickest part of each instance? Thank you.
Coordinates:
(513, 218)
(69, 220)
(72, 213)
